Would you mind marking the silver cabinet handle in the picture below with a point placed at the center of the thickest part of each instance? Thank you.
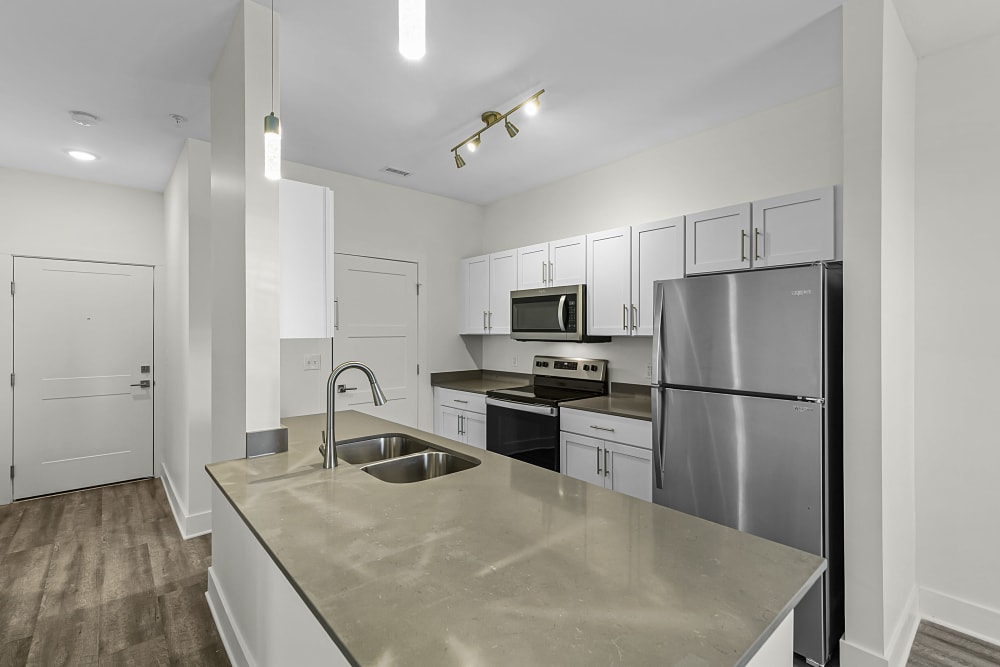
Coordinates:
(461, 424)
(484, 320)
(342, 388)
(743, 245)
(602, 428)
(605, 461)
(756, 243)
(458, 400)
(544, 280)
(490, 319)
(635, 317)
(336, 314)
(552, 273)
(598, 450)
(624, 317)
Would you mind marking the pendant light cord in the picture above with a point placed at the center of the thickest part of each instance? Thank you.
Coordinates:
(272, 56)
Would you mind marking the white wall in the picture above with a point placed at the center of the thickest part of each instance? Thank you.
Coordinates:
(379, 220)
(958, 326)
(51, 216)
(791, 147)
(185, 381)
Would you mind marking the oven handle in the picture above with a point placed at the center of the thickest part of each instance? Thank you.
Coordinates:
(562, 307)
(523, 407)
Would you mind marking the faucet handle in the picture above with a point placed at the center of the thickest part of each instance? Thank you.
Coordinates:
(322, 448)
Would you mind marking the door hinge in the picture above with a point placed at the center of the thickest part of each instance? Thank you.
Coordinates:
(418, 369)
(12, 472)
(12, 288)
(12, 379)
(418, 289)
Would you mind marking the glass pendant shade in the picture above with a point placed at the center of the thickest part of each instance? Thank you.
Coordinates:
(272, 147)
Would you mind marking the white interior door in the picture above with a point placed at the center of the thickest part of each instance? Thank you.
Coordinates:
(377, 326)
(83, 333)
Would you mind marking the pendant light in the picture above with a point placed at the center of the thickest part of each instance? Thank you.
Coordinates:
(412, 44)
(272, 126)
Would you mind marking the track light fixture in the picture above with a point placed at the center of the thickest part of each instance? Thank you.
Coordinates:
(491, 118)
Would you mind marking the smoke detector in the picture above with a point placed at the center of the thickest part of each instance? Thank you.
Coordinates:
(83, 118)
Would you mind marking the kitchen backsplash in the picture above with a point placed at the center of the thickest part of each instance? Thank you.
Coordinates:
(629, 357)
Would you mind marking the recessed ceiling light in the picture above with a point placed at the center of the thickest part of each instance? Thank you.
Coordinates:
(82, 156)
(83, 118)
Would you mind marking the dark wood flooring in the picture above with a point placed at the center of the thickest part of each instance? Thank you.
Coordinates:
(103, 577)
(938, 646)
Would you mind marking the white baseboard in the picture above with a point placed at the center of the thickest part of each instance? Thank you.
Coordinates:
(230, 635)
(190, 525)
(853, 655)
(961, 615)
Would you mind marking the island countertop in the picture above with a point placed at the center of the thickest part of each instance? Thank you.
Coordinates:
(507, 563)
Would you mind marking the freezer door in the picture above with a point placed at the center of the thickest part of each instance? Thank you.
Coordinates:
(755, 464)
(758, 331)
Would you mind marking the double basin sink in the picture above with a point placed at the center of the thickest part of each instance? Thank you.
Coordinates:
(402, 459)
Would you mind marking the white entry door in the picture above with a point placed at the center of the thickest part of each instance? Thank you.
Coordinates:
(376, 324)
(83, 348)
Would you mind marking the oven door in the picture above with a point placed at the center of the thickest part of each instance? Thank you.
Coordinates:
(525, 432)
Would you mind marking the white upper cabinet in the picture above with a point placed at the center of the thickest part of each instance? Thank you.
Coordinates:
(503, 280)
(475, 282)
(794, 229)
(305, 239)
(609, 277)
(719, 240)
(552, 264)
(533, 266)
(657, 254)
(568, 261)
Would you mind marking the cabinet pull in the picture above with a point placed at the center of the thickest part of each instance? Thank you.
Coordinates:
(461, 429)
(484, 320)
(552, 273)
(458, 400)
(635, 317)
(490, 319)
(605, 461)
(743, 245)
(624, 317)
(543, 273)
(756, 243)
(602, 428)
(598, 450)
(336, 315)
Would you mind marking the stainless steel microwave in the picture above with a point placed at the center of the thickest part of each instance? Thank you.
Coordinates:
(551, 313)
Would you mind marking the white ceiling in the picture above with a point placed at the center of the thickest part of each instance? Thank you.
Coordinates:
(620, 77)
(935, 25)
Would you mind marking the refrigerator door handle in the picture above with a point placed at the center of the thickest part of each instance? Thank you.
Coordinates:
(658, 433)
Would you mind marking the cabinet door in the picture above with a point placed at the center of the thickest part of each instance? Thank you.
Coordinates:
(474, 428)
(657, 254)
(568, 261)
(719, 240)
(533, 266)
(448, 423)
(503, 280)
(475, 294)
(609, 282)
(629, 470)
(794, 229)
(582, 457)
(305, 241)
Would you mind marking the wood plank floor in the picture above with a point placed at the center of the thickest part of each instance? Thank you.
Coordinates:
(103, 577)
(938, 646)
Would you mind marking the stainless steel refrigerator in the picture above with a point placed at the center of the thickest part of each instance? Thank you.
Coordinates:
(747, 417)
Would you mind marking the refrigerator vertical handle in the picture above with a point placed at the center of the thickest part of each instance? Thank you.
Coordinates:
(659, 434)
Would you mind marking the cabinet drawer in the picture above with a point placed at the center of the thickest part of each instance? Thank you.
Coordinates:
(635, 432)
(463, 400)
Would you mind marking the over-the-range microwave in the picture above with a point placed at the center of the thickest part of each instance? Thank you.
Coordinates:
(551, 313)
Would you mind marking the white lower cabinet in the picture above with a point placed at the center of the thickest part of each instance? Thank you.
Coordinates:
(461, 416)
(626, 467)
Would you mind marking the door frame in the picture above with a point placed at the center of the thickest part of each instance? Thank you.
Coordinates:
(7, 367)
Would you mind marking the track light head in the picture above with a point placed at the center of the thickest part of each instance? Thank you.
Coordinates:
(459, 160)
(511, 129)
(473, 144)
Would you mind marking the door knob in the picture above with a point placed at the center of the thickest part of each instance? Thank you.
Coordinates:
(343, 388)
(143, 384)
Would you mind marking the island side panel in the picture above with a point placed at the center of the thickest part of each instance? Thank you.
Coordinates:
(262, 619)
(778, 649)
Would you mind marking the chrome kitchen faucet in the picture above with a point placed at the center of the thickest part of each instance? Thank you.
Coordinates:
(329, 448)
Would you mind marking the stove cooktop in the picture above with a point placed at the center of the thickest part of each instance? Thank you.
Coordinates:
(559, 379)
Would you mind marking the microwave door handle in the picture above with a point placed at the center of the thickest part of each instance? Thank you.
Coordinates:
(562, 308)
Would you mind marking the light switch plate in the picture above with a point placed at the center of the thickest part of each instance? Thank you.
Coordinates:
(312, 362)
(649, 371)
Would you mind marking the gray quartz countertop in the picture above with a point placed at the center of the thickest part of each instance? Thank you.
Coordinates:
(624, 401)
(507, 563)
(478, 381)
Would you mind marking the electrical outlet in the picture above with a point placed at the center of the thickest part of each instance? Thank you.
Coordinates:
(513, 361)
(649, 371)
(312, 362)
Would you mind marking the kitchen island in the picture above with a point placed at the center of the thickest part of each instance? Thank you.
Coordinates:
(501, 564)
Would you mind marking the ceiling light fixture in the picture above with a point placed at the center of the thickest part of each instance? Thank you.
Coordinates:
(82, 156)
(272, 126)
(491, 118)
(412, 43)
(83, 118)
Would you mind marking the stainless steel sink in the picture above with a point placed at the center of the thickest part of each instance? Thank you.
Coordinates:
(379, 448)
(418, 467)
